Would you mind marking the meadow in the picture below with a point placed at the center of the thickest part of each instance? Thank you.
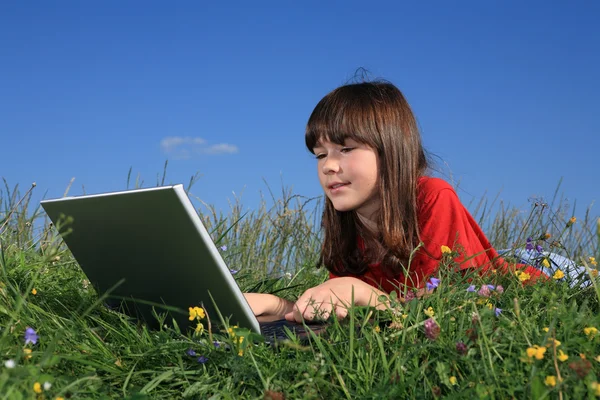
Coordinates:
(491, 337)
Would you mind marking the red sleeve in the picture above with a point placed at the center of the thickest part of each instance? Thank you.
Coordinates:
(444, 221)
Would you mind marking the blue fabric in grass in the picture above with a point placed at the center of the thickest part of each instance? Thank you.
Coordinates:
(575, 274)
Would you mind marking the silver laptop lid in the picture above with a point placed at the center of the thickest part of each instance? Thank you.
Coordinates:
(154, 240)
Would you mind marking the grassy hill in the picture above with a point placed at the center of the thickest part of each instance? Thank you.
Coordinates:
(508, 340)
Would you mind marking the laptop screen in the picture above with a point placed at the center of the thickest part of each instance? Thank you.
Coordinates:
(154, 243)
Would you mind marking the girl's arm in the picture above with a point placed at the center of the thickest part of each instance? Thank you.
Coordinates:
(268, 305)
(445, 221)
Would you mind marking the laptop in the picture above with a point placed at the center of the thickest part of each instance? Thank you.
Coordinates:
(152, 244)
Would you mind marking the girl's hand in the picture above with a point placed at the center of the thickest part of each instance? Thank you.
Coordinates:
(268, 305)
(333, 297)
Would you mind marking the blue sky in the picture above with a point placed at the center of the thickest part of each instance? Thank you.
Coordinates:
(506, 94)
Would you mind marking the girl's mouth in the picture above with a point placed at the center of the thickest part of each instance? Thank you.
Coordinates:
(337, 186)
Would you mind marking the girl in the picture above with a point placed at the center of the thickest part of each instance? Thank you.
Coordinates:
(380, 205)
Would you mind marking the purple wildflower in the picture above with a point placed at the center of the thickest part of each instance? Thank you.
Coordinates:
(484, 291)
(471, 288)
(202, 359)
(529, 245)
(432, 284)
(224, 248)
(462, 348)
(539, 248)
(234, 271)
(30, 336)
(492, 287)
(190, 352)
(432, 329)
(500, 289)
(216, 344)
(498, 311)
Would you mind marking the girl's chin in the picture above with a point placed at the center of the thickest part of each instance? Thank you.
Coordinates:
(342, 207)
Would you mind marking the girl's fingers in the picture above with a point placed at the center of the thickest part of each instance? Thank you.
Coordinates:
(307, 310)
(311, 310)
(341, 311)
(323, 310)
(314, 306)
(299, 312)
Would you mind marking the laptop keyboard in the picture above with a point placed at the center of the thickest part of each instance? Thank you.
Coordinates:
(275, 329)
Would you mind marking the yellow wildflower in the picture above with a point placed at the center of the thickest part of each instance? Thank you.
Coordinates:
(231, 331)
(596, 388)
(241, 352)
(571, 221)
(536, 351)
(558, 274)
(546, 329)
(27, 353)
(523, 276)
(60, 398)
(453, 380)
(547, 236)
(37, 387)
(550, 381)
(33, 291)
(582, 355)
(377, 329)
(196, 312)
(556, 342)
(404, 316)
(545, 263)
(597, 358)
(489, 305)
(446, 250)
(199, 328)
(590, 331)
(429, 312)
(562, 356)
(593, 261)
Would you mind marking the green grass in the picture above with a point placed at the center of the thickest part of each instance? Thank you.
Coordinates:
(87, 351)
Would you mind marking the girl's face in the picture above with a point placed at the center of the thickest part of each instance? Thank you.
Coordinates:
(349, 174)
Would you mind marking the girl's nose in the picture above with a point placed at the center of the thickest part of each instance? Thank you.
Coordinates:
(330, 165)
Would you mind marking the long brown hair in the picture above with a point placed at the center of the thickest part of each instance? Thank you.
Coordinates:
(376, 114)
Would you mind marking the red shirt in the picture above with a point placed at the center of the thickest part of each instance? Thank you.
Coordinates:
(443, 221)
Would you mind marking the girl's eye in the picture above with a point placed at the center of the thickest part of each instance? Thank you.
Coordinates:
(319, 156)
(347, 149)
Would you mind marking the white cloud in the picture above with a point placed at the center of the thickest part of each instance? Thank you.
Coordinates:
(183, 148)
